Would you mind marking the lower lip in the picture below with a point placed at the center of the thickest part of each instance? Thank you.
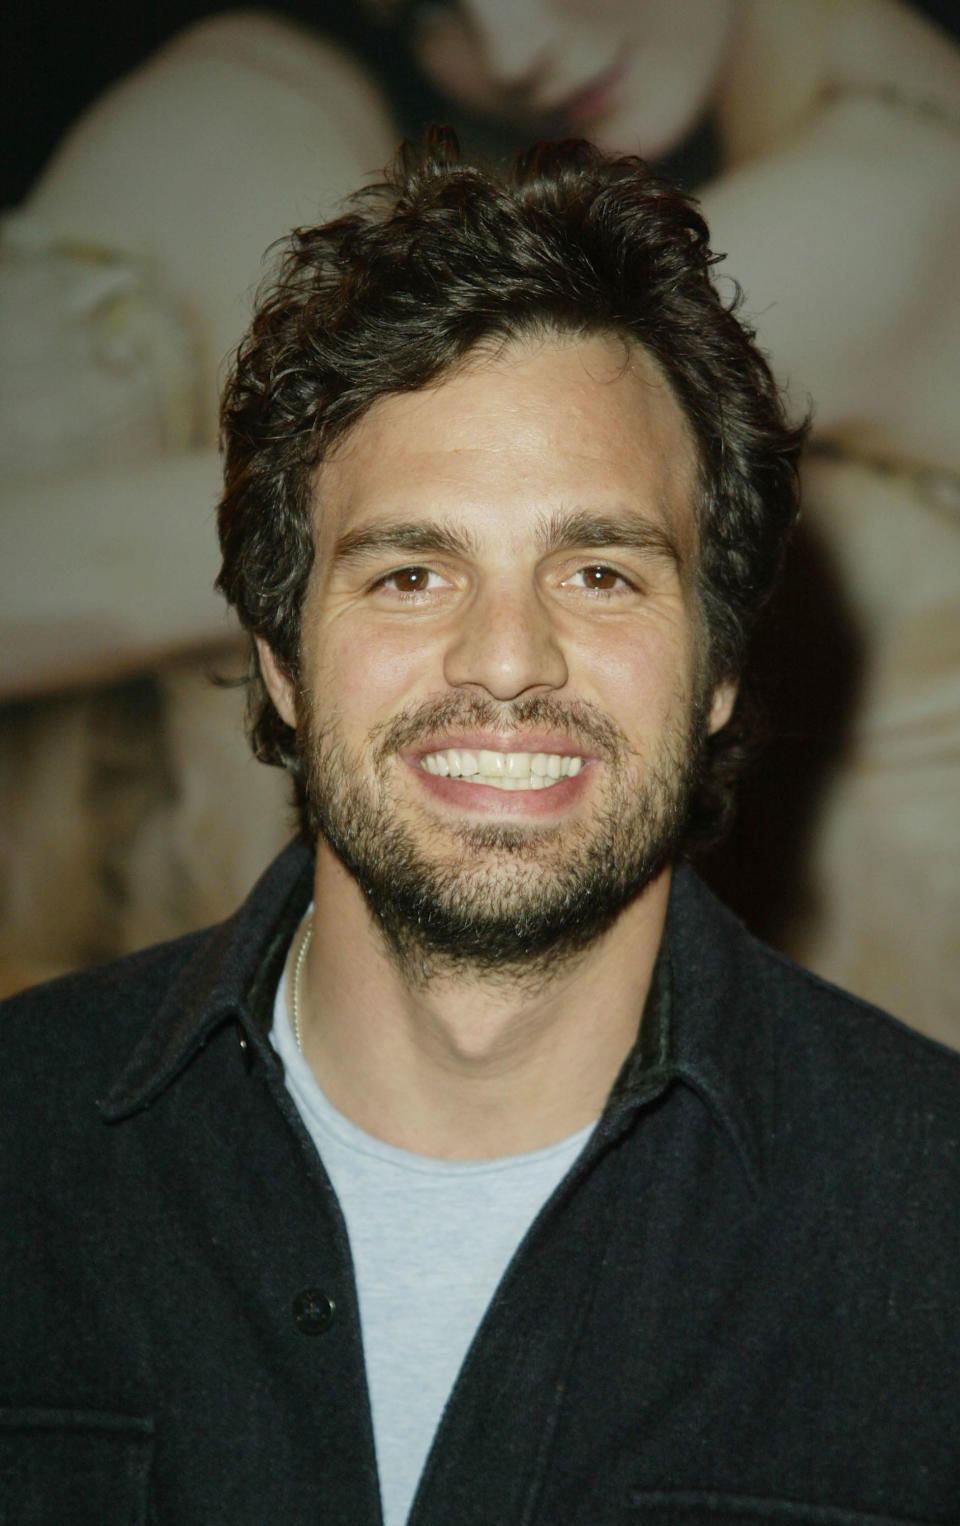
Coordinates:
(487, 800)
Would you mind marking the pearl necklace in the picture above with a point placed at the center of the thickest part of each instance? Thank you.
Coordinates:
(295, 985)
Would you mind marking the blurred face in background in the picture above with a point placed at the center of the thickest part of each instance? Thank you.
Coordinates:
(633, 75)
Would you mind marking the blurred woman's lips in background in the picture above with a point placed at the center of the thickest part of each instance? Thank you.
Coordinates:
(592, 100)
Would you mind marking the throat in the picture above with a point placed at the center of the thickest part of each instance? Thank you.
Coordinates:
(461, 1067)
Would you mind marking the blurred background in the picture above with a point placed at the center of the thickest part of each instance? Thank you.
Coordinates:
(152, 153)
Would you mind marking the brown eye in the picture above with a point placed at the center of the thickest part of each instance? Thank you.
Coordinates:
(602, 579)
(410, 579)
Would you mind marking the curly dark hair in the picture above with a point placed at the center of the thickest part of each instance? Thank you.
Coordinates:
(440, 257)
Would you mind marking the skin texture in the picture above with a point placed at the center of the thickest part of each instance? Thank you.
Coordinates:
(501, 622)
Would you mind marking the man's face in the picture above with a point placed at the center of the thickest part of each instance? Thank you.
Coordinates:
(500, 705)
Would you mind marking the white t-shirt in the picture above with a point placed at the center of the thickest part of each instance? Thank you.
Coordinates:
(430, 1241)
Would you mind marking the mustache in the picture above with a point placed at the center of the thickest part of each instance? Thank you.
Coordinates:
(578, 721)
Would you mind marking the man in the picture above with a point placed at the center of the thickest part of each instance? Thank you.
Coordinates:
(482, 1169)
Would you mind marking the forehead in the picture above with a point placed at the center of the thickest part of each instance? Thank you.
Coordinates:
(531, 428)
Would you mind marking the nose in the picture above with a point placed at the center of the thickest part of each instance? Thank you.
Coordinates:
(505, 644)
(515, 37)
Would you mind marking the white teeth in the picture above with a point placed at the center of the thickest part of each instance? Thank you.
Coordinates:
(491, 764)
(503, 770)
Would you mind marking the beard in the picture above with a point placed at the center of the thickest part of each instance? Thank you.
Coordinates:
(500, 901)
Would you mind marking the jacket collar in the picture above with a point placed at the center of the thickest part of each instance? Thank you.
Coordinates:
(231, 977)
(697, 1028)
(721, 1042)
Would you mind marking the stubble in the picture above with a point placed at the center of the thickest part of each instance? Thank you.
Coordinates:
(504, 902)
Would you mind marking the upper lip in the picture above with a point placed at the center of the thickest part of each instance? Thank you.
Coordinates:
(475, 741)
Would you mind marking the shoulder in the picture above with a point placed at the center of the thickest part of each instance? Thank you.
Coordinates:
(83, 1026)
(844, 1044)
(862, 1143)
(726, 957)
(828, 1082)
(865, 1122)
(66, 1043)
(63, 1047)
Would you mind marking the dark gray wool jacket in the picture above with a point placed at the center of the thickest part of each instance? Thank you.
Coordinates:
(741, 1304)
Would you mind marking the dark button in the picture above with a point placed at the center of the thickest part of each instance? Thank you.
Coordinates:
(313, 1311)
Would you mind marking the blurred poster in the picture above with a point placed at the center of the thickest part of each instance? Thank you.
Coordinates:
(823, 137)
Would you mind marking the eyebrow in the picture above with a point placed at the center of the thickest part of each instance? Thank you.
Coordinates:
(418, 537)
(568, 530)
(571, 530)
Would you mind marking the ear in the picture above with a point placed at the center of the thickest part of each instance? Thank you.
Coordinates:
(721, 706)
(278, 683)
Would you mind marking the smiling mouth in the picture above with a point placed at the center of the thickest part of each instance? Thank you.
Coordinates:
(503, 770)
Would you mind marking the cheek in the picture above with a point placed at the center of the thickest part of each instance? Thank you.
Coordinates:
(366, 673)
(641, 676)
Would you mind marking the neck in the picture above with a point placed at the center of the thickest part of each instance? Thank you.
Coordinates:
(462, 1067)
